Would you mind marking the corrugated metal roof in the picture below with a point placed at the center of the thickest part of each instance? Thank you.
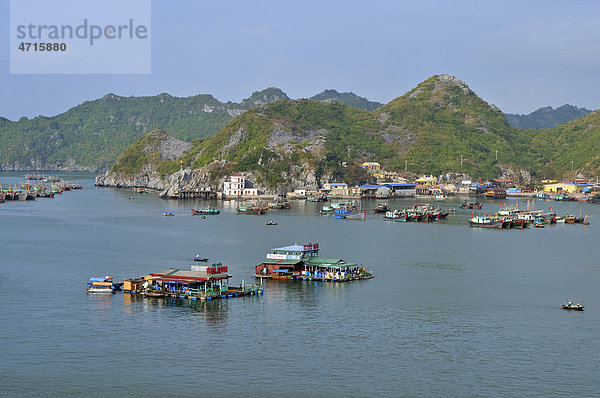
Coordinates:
(281, 262)
(367, 186)
(323, 260)
(173, 274)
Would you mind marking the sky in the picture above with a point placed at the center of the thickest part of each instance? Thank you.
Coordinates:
(517, 55)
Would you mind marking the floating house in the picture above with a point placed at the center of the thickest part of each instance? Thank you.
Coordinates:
(201, 282)
(302, 262)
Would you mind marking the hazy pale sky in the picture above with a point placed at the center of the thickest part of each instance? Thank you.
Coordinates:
(518, 55)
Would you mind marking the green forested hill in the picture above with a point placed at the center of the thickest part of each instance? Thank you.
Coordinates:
(426, 130)
(348, 99)
(95, 132)
(569, 149)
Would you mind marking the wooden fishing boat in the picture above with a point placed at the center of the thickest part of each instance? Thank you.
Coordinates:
(272, 222)
(471, 205)
(280, 204)
(349, 213)
(205, 211)
(250, 210)
(168, 214)
(485, 222)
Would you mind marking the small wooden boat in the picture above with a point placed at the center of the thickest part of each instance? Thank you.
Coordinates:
(571, 306)
(272, 222)
(538, 225)
(198, 258)
(168, 214)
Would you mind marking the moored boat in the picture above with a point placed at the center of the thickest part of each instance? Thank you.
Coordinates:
(485, 222)
(206, 211)
(251, 207)
(381, 208)
(471, 205)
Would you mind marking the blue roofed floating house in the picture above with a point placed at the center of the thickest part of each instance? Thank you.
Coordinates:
(302, 262)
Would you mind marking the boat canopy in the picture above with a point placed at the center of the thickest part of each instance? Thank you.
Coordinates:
(323, 260)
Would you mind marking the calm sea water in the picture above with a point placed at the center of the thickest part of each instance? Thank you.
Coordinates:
(452, 311)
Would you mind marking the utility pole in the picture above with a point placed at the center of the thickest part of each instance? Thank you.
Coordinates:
(461, 159)
(572, 165)
(405, 165)
(496, 154)
(348, 151)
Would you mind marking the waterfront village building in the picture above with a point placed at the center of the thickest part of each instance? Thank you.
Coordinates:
(426, 180)
(374, 191)
(567, 187)
(560, 187)
(237, 186)
(371, 166)
(336, 189)
(385, 176)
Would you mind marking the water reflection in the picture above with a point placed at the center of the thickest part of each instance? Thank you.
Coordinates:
(213, 312)
(101, 302)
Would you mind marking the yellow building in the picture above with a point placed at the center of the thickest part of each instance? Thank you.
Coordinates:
(426, 180)
(559, 187)
(371, 166)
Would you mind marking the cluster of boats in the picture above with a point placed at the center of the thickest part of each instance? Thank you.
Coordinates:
(103, 285)
(259, 207)
(27, 191)
(420, 212)
(515, 218)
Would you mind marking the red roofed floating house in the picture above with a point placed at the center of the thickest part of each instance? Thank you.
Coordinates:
(204, 282)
